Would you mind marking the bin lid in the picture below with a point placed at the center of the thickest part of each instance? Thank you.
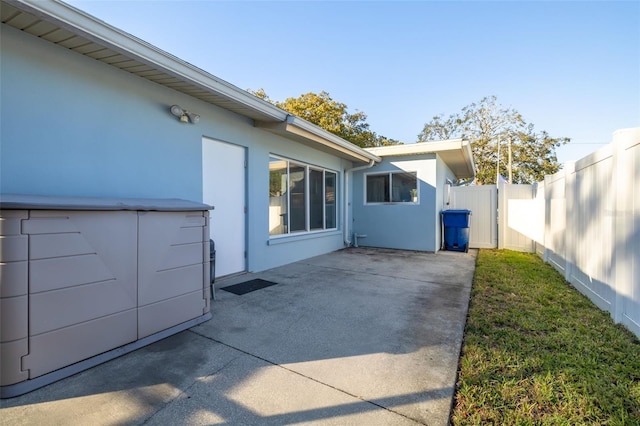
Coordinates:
(453, 211)
(51, 202)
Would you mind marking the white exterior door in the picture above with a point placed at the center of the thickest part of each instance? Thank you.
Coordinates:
(223, 186)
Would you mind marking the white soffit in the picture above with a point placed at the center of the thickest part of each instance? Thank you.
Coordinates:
(68, 27)
(456, 153)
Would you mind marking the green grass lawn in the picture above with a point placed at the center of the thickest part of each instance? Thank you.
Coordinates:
(536, 351)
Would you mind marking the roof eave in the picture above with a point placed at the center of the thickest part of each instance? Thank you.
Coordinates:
(264, 114)
(301, 130)
(468, 154)
(456, 153)
(81, 23)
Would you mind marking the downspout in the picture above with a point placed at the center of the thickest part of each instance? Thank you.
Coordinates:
(347, 172)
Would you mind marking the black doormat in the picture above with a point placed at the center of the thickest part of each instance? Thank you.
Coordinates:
(248, 286)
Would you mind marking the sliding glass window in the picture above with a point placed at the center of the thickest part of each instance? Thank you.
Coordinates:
(316, 199)
(330, 218)
(392, 187)
(302, 198)
(297, 198)
(278, 196)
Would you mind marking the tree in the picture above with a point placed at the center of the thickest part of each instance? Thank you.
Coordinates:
(333, 116)
(486, 124)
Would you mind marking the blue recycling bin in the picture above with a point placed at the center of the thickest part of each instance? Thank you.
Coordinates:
(456, 229)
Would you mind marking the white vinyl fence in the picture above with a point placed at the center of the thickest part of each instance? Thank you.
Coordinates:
(500, 217)
(519, 218)
(585, 221)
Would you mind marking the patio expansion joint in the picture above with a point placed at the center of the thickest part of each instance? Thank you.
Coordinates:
(185, 392)
(299, 374)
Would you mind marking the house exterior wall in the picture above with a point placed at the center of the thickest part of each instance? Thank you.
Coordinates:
(74, 126)
(78, 127)
(410, 226)
(443, 173)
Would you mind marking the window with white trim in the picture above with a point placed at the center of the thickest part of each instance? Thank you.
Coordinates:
(302, 198)
(391, 187)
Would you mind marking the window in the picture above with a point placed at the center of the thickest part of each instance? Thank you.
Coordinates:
(392, 187)
(297, 198)
(301, 197)
(330, 219)
(278, 198)
(316, 199)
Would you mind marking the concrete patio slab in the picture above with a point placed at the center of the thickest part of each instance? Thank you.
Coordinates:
(358, 336)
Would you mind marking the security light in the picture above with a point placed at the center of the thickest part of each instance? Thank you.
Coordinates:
(184, 115)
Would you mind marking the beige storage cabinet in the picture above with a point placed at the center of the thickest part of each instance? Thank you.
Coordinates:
(83, 280)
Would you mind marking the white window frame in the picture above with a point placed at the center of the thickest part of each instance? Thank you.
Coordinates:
(390, 175)
(307, 168)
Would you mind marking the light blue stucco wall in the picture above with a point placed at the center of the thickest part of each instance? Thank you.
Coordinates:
(75, 126)
(266, 252)
(402, 226)
(443, 173)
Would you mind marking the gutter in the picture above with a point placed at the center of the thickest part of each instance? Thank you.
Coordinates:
(347, 172)
(299, 129)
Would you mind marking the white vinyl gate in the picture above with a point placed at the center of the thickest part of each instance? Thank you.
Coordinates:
(499, 215)
(482, 200)
(520, 219)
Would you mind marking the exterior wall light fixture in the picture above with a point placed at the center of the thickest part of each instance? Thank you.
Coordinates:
(184, 115)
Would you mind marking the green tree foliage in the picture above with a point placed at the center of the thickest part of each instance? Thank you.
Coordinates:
(486, 124)
(333, 116)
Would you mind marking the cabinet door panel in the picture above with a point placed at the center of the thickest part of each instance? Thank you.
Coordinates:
(82, 285)
(171, 264)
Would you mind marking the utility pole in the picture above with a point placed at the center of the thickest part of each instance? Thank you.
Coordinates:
(510, 175)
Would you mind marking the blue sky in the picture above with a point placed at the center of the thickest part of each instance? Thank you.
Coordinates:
(570, 67)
